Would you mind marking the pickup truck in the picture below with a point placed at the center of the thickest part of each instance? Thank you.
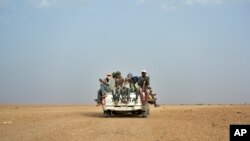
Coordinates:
(130, 106)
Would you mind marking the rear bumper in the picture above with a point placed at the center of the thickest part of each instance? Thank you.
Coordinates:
(122, 108)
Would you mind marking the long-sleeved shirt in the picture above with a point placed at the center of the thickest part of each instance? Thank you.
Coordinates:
(110, 83)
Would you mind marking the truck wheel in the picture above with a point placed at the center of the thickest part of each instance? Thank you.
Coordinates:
(144, 114)
(107, 113)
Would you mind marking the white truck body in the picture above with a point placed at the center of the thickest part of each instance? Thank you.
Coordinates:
(130, 107)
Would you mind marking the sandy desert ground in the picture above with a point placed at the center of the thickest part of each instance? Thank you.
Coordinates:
(86, 123)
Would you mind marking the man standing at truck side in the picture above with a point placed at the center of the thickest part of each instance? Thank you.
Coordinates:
(144, 83)
(143, 79)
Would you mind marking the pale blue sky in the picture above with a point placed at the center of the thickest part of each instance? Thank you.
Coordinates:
(54, 51)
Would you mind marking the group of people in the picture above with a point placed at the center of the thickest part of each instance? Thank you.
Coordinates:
(122, 87)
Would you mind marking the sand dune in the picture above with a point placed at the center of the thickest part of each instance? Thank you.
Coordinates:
(85, 123)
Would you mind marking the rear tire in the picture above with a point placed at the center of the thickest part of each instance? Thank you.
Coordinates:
(145, 112)
(107, 114)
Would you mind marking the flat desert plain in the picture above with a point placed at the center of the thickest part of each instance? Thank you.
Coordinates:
(86, 123)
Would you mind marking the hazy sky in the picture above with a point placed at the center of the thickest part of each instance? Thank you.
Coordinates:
(54, 51)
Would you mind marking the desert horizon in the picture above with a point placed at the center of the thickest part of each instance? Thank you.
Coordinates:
(86, 122)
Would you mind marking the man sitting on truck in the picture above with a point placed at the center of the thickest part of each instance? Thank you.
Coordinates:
(119, 81)
(107, 85)
(131, 84)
